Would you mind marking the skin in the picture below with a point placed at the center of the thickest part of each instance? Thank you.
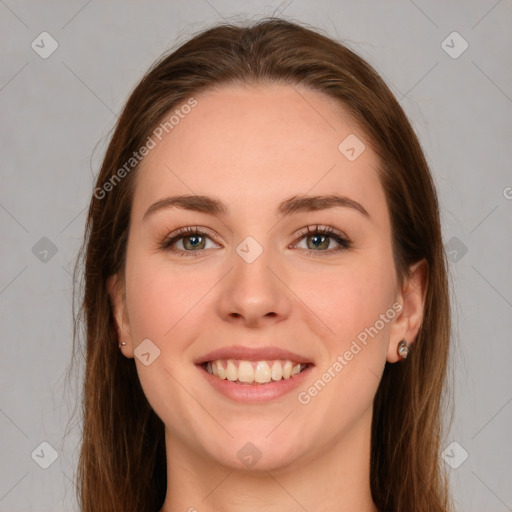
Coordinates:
(252, 147)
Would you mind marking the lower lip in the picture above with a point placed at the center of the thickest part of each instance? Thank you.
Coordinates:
(249, 393)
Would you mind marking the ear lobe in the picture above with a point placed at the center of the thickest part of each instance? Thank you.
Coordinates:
(412, 298)
(117, 301)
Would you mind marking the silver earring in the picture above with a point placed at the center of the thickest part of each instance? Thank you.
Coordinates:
(403, 349)
(122, 344)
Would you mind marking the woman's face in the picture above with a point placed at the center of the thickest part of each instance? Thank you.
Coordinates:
(253, 286)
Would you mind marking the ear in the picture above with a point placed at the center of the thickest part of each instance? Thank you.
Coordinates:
(412, 299)
(117, 300)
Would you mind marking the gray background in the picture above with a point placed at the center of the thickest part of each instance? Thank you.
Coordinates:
(57, 113)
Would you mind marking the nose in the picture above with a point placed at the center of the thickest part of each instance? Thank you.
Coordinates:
(253, 293)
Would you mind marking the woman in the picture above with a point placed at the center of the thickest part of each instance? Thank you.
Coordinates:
(266, 304)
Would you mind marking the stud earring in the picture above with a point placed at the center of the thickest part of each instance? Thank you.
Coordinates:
(122, 344)
(403, 349)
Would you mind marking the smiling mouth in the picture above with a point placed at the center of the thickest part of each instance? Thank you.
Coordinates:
(254, 373)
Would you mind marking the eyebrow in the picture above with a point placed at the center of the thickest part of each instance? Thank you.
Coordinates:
(295, 204)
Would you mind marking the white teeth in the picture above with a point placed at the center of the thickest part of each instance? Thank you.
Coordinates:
(221, 372)
(245, 372)
(277, 371)
(262, 373)
(231, 371)
(296, 369)
(250, 372)
(287, 369)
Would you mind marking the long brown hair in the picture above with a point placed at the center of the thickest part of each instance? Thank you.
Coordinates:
(122, 464)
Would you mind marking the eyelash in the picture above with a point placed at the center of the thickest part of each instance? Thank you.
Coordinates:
(342, 240)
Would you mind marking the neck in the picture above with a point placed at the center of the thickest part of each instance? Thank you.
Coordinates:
(333, 478)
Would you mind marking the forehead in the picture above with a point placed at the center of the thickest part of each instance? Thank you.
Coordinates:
(255, 145)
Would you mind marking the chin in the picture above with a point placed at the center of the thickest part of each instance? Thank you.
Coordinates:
(257, 451)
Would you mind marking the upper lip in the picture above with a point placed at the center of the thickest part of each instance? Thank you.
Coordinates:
(252, 354)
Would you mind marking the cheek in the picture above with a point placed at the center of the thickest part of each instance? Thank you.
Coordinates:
(163, 306)
(159, 298)
(355, 303)
(351, 298)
